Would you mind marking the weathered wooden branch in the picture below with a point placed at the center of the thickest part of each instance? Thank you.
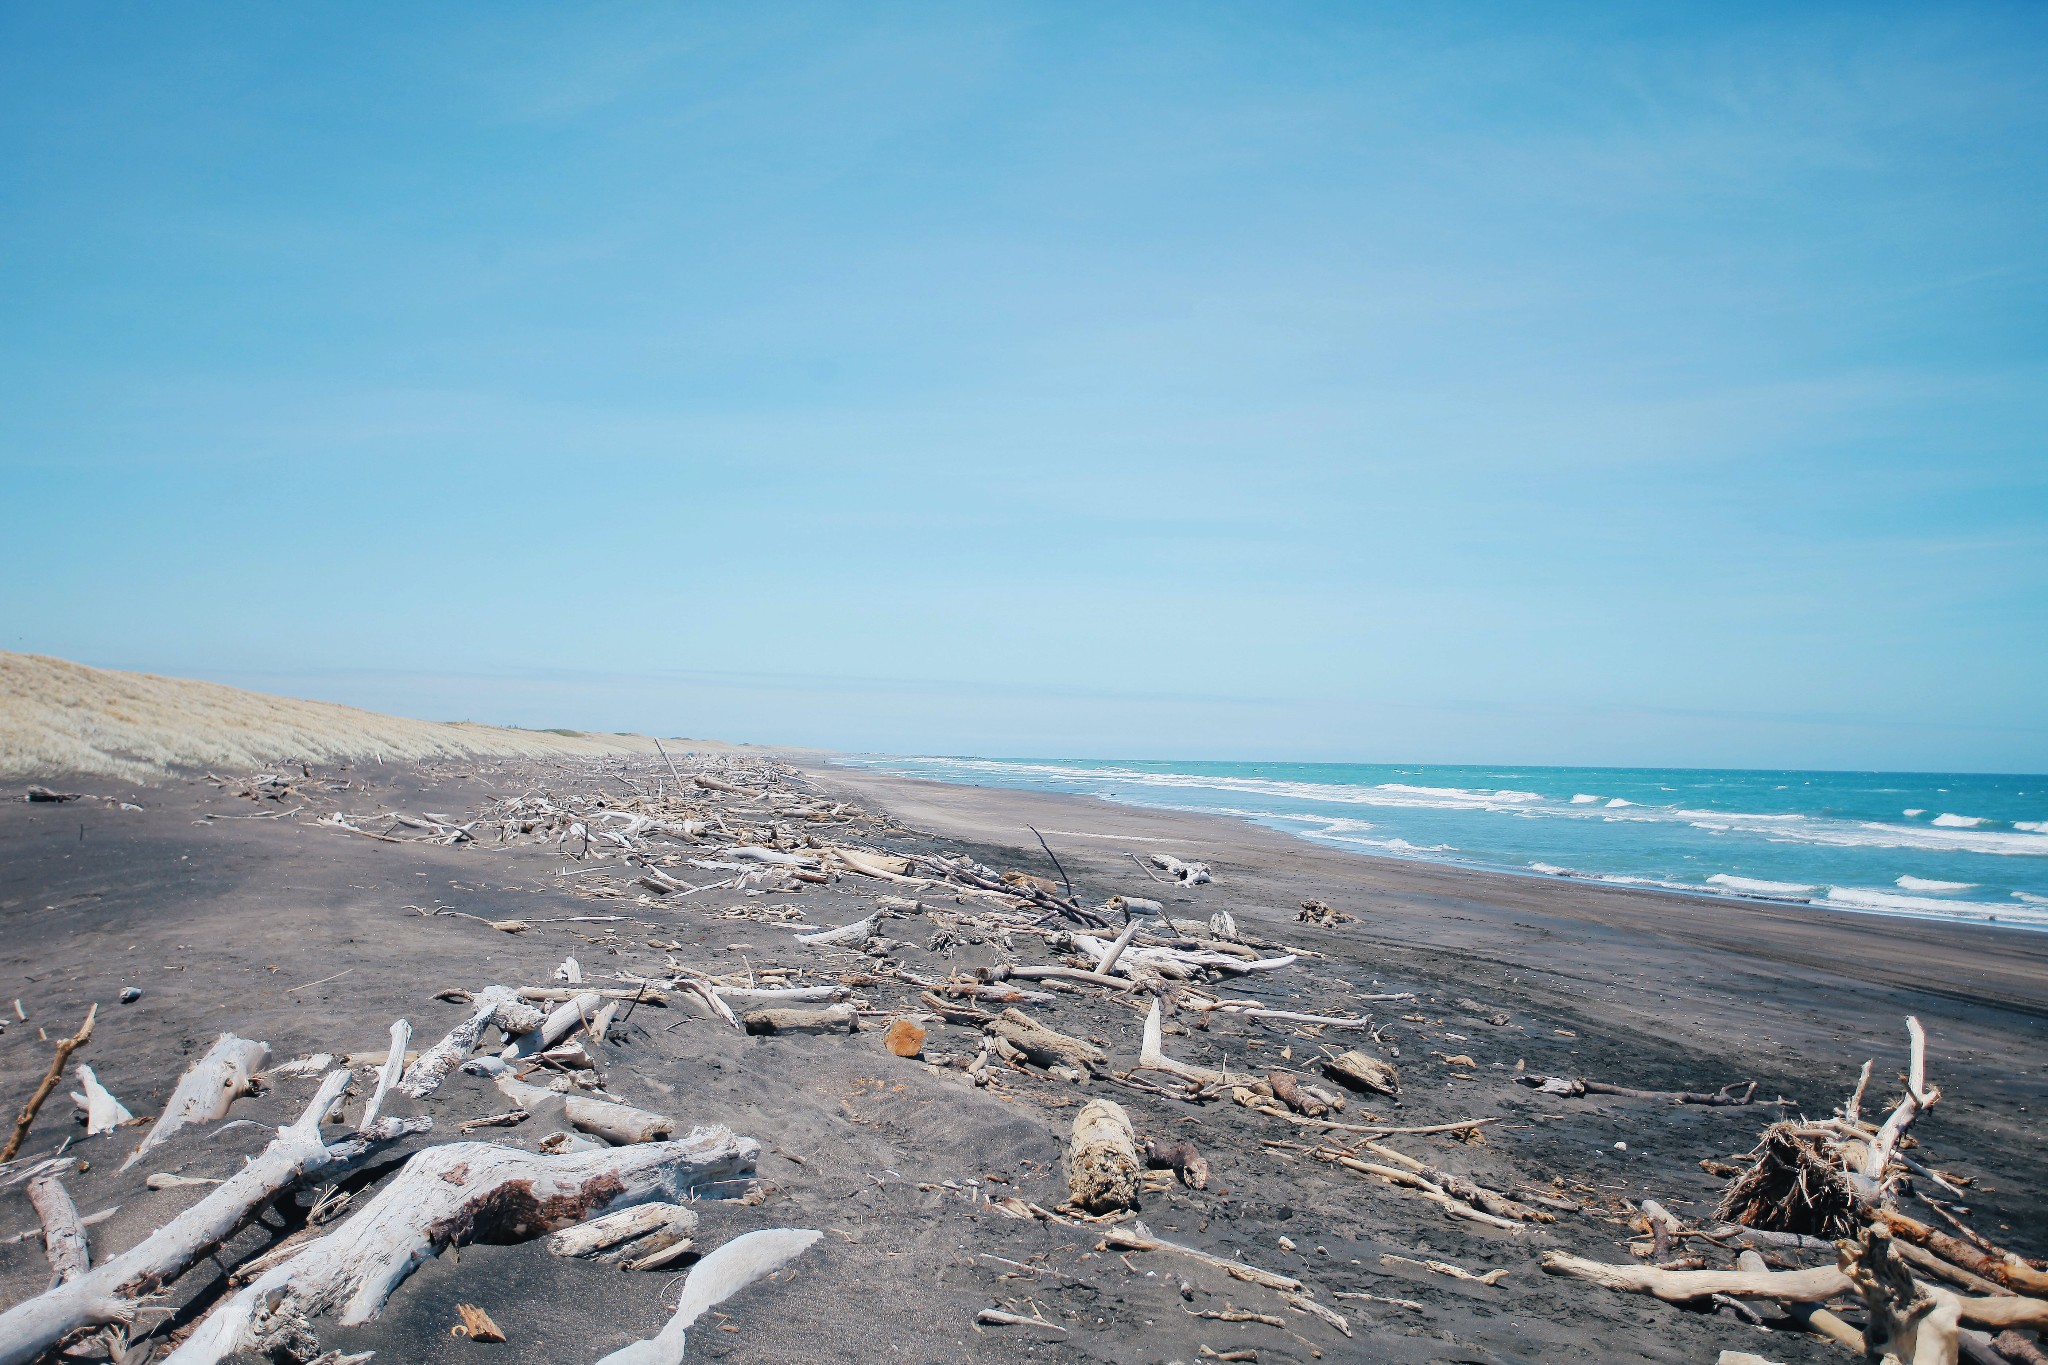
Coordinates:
(1737, 1093)
(565, 1019)
(494, 1005)
(388, 1074)
(1919, 1097)
(26, 1119)
(1047, 1047)
(1363, 1073)
(831, 1019)
(207, 1089)
(449, 1195)
(1152, 1057)
(599, 1234)
(64, 1242)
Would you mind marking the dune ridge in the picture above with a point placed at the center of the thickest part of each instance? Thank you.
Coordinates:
(62, 717)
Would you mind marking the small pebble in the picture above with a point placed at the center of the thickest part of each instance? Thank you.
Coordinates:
(130, 994)
(1621, 1146)
(1287, 1244)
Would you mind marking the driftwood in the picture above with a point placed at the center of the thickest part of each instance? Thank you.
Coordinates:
(448, 1195)
(26, 1119)
(103, 1113)
(715, 1279)
(1810, 1316)
(1311, 1100)
(1919, 1098)
(1736, 1094)
(1135, 1236)
(832, 1019)
(388, 1074)
(1907, 1321)
(1368, 1075)
(207, 1089)
(1102, 1159)
(565, 1019)
(1686, 1286)
(493, 1005)
(1793, 1185)
(1047, 1047)
(109, 1293)
(2000, 1267)
(1180, 1157)
(64, 1243)
(642, 1220)
(616, 1123)
(1152, 1057)
(857, 932)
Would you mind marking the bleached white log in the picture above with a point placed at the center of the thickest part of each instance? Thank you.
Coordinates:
(494, 1005)
(388, 1074)
(616, 1123)
(856, 932)
(712, 1000)
(1106, 964)
(207, 1089)
(593, 1236)
(747, 997)
(63, 1230)
(570, 971)
(448, 1195)
(1152, 1057)
(1187, 874)
(314, 1065)
(103, 1113)
(602, 1025)
(565, 1020)
(109, 1292)
(716, 1278)
(753, 853)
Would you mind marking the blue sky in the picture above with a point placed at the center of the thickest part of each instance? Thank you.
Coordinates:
(1571, 384)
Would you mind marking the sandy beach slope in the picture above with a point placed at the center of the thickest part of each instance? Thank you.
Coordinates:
(314, 939)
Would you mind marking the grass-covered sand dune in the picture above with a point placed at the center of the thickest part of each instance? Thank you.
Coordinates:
(61, 717)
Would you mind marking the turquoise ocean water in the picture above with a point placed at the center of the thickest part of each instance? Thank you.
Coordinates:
(1941, 846)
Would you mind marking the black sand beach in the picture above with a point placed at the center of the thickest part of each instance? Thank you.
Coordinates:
(313, 939)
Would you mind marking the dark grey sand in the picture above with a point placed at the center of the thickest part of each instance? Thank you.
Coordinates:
(223, 923)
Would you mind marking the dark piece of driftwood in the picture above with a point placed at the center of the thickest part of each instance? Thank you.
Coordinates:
(1180, 1157)
(1793, 1185)
(448, 1195)
(26, 1119)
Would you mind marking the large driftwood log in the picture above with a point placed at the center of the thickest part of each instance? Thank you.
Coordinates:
(1136, 1236)
(831, 1019)
(109, 1293)
(1102, 1158)
(389, 1073)
(493, 1005)
(207, 1089)
(716, 1278)
(1684, 1286)
(64, 1243)
(1811, 1316)
(1045, 1046)
(449, 1195)
(620, 1124)
(1737, 1093)
(1908, 1322)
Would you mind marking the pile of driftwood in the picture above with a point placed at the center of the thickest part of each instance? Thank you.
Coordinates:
(613, 1183)
(1886, 1284)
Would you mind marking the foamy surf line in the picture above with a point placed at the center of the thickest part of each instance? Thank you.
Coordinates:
(1415, 819)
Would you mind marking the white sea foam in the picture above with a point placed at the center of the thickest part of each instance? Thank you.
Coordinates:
(2032, 826)
(1584, 800)
(1551, 868)
(1752, 886)
(1915, 812)
(1885, 902)
(1923, 884)
(2030, 898)
(1959, 821)
(1617, 803)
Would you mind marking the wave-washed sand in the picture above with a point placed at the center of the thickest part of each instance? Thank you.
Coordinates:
(313, 939)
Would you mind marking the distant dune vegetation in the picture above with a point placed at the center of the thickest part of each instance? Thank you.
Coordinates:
(60, 717)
